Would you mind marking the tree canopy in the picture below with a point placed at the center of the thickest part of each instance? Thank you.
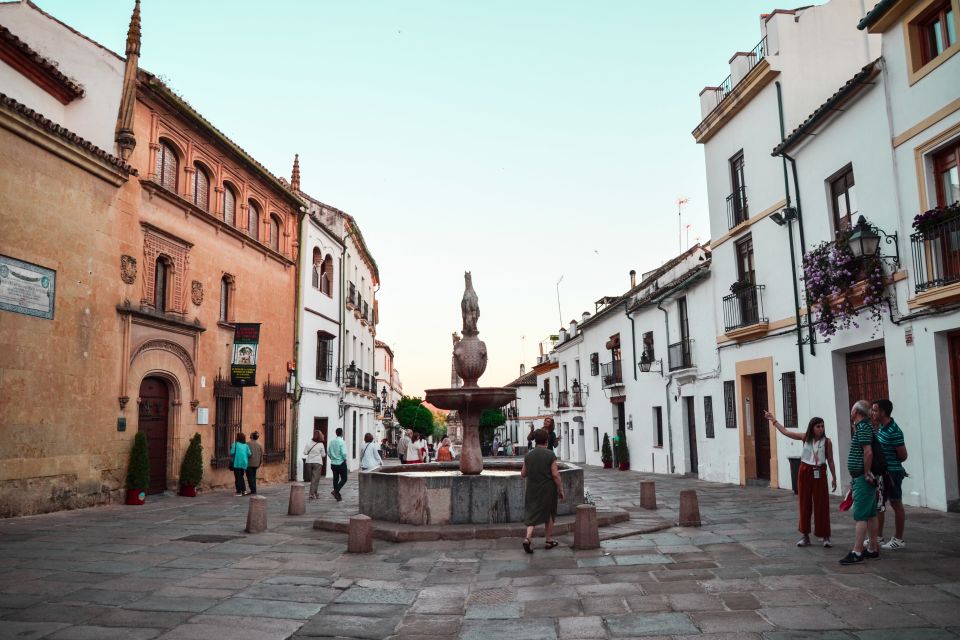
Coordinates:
(411, 414)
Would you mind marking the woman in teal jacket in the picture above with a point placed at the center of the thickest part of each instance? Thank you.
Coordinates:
(239, 457)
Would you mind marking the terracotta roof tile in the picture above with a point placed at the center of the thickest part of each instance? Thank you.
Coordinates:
(71, 86)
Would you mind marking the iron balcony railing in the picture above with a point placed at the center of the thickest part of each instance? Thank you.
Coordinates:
(578, 398)
(743, 308)
(611, 373)
(366, 311)
(936, 255)
(756, 54)
(737, 211)
(680, 355)
(352, 295)
(366, 382)
(563, 399)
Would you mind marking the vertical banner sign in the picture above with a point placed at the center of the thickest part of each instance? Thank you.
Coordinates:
(246, 343)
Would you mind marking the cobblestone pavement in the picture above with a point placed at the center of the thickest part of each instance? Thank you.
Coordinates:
(182, 568)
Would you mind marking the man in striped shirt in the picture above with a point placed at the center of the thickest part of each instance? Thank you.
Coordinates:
(895, 452)
(864, 485)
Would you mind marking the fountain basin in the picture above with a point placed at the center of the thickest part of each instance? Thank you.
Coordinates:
(472, 399)
(437, 493)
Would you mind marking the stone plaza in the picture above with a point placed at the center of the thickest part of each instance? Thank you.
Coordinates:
(183, 568)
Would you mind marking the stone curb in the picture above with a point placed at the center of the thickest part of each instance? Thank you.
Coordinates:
(395, 532)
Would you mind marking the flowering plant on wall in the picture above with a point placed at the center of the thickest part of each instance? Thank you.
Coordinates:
(835, 280)
(932, 217)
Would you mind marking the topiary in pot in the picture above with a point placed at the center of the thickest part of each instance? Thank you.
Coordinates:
(191, 469)
(623, 454)
(606, 453)
(138, 471)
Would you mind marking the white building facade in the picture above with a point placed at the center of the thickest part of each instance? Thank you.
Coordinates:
(389, 390)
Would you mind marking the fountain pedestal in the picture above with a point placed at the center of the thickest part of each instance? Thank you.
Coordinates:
(470, 403)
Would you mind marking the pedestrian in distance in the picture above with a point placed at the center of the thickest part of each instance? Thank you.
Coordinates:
(313, 455)
(508, 448)
(403, 444)
(530, 438)
(256, 459)
(424, 450)
(861, 465)
(239, 458)
(412, 451)
(549, 427)
(337, 452)
(812, 494)
(544, 488)
(495, 447)
(444, 454)
(895, 452)
(369, 456)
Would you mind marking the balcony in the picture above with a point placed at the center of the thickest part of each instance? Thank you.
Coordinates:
(743, 316)
(365, 316)
(578, 398)
(351, 295)
(737, 211)
(936, 262)
(680, 355)
(563, 399)
(611, 374)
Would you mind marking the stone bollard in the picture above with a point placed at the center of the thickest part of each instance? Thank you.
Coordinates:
(297, 506)
(648, 494)
(585, 532)
(360, 535)
(257, 515)
(689, 508)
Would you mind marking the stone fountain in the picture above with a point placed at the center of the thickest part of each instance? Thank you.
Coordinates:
(442, 493)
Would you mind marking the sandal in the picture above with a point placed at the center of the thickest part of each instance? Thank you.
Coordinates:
(550, 544)
(526, 545)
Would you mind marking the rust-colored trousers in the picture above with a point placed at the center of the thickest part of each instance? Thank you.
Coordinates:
(814, 501)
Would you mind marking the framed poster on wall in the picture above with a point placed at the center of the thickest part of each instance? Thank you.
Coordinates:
(26, 288)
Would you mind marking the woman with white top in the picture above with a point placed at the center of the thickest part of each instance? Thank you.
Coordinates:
(414, 452)
(313, 455)
(812, 479)
(369, 455)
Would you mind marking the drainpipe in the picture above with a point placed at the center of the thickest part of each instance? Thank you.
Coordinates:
(793, 258)
(298, 302)
(803, 244)
(633, 336)
(666, 389)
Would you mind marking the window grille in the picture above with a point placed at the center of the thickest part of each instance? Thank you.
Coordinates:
(229, 418)
(275, 425)
(790, 418)
(730, 403)
(708, 415)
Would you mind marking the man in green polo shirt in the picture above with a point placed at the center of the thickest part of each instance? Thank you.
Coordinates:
(859, 461)
(895, 452)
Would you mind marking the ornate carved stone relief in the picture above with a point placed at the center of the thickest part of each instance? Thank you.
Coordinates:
(196, 292)
(156, 243)
(128, 269)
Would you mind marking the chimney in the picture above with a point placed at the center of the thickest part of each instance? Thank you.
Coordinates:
(583, 318)
(523, 369)
(633, 278)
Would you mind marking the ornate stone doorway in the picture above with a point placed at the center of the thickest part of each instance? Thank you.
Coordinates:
(154, 403)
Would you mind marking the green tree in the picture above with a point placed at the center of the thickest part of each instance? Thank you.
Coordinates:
(191, 469)
(491, 419)
(138, 471)
(606, 453)
(411, 414)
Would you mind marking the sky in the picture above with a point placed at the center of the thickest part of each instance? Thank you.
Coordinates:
(529, 142)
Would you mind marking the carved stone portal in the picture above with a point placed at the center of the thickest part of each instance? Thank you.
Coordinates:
(128, 269)
(196, 292)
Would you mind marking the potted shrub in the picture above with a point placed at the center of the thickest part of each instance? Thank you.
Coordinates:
(606, 453)
(623, 454)
(191, 469)
(138, 471)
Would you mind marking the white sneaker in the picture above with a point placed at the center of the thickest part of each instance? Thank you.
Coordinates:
(804, 541)
(826, 543)
(895, 543)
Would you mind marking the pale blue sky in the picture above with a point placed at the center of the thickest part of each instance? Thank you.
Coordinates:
(523, 141)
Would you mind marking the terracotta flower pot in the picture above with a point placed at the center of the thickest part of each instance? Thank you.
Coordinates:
(136, 496)
(188, 491)
(608, 464)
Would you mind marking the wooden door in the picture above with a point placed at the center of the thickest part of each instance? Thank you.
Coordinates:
(866, 376)
(320, 424)
(692, 434)
(761, 429)
(153, 419)
(954, 349)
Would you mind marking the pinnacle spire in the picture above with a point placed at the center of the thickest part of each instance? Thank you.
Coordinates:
(133, 33)
(295, 176)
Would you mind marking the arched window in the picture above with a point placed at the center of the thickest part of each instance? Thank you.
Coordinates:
(229, 205)
(275, 233)
(226, 282)
(326, 276)
(168, 166)
(253, 220)
(201, 187)
(317, 265)
(161, 281)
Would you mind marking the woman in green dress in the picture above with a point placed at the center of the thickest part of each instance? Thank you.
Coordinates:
(543, 488)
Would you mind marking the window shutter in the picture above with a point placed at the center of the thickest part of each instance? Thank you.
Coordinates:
(168, 167)
(201, 188)
(229, 207)
(253, 220)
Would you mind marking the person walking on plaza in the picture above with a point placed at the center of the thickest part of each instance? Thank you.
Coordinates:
(313, 455)
(443, 453)
(543, 489)
(403, 444)
(412, 451)
(369, 456)
(895, 452)
(256, 459)
(508, 448)
(495, 447)
(812, 493)
(239, 458)
(551, 435)
(859, 464)
(337, 452)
